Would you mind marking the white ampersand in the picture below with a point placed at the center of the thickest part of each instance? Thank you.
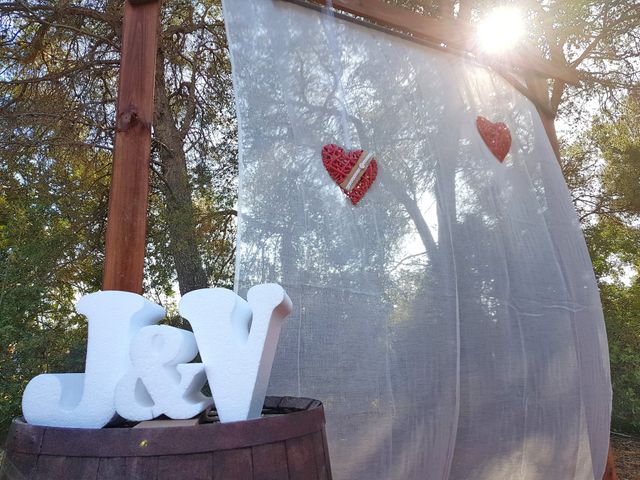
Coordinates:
(160, 380)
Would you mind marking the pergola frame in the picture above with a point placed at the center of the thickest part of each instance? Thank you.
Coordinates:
(525, 69)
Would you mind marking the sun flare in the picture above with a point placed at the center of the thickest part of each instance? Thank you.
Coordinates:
(501, 30)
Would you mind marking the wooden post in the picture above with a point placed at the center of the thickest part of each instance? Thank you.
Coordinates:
(610, 472)
(127, 221)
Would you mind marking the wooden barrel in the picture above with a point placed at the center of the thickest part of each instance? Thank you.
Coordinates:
(287, 442)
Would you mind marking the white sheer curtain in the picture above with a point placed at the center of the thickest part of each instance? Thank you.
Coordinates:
(450, 322)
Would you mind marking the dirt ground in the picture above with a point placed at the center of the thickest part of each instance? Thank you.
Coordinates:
(627, 454)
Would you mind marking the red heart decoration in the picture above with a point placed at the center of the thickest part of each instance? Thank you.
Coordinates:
(339, 164)
(496, 136)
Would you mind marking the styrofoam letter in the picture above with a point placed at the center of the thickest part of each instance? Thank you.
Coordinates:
(237, 341)
(86, 400)
(160, 381)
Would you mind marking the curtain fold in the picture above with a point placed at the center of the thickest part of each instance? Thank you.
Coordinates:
(450, 321)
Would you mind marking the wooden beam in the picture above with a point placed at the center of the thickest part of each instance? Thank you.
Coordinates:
(455, 35)
(126, 226)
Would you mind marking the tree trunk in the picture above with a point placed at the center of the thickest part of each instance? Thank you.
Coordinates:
(180, 211)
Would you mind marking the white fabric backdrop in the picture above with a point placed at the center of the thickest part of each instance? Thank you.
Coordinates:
(450, 322)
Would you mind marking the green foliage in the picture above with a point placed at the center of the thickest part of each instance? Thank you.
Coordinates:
(622, 314)
(620, 146)
(54, 173)
(48, 255)
(603, 172)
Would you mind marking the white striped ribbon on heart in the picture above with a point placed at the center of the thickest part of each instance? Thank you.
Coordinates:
(354, 176)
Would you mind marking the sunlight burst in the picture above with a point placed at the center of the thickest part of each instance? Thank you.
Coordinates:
(501, 30)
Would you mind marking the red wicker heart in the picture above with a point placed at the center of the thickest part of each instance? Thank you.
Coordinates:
(340, 165)
(496, 136)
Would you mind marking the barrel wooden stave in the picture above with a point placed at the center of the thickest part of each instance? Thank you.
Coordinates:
(270, 461)
(283, 446)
